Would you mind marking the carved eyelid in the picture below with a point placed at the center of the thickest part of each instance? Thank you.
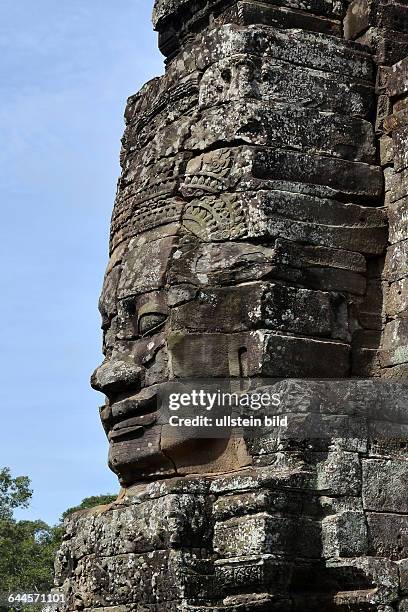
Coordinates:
(150, 310)
(155, 326)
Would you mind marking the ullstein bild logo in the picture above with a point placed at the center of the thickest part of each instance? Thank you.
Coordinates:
(228, 421)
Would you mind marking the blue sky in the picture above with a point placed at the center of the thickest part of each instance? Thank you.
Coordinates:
(66, 70)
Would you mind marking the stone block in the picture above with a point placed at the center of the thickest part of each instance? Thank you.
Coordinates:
(388, 179)
(396, 262)
(224, 263)
(399, 186)
(266, 306)
(397, 299)
(322, 267)
(252, 574)
(388, 535)
(366, 362)
(370, 312)
(252, 168)
(152, 578)
(271, 125)
(108, 299)
(231, 506)
(344, 535)
(395, 343)
(266, 534)
(307, 49)
(247, 12)
(388, 439)
(386, 150)
(384, 485)
(384, 109)
(403, 575)
(400, 104)
(240, 77)
(398, 220)
(403, 605)
(391, 47)
(393, 16)
(382, 79)
(396, 121)
(141, 185)
(145, 265)
(339, 474)
(296, 355)
(302, 218)
(380, 577)
(400, 148)
(255, 353)
(365, 346)
(338, 175)
(314, 432)
(357, 18)
(397, 373)
(165, 522)
(397, 83)
(172, 31)
(159, 215)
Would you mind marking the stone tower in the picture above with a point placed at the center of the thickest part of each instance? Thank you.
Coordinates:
(259, 232)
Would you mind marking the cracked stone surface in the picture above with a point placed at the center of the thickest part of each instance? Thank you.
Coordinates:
(259, 230)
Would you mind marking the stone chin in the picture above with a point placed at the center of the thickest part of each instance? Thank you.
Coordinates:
(144, 448)
(157, 452)
(138, 456)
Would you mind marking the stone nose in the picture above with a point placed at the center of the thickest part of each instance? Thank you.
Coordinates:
(114, 376)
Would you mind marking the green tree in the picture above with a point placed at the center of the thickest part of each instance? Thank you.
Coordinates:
(14, 493)
(27, 552)
(28, 548)
(90, 502)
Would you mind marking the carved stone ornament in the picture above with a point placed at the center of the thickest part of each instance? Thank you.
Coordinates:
(259, 236)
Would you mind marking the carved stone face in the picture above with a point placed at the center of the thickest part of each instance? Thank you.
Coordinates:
(161, 328)
(236, 248)
(199, 298)
(161, 321)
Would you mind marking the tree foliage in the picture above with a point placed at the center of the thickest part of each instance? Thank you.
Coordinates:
(27, 551)
(27, 548)
(90, 502)
(14, 493)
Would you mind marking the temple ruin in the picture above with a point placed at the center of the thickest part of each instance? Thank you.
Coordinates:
(260, 232)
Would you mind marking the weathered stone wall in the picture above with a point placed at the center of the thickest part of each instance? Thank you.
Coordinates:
(394, 145)
(383, 26)
(248, 155)
(250, 238)
(296, 530)
(252, 160)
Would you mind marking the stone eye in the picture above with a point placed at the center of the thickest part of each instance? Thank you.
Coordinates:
(151, 322)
